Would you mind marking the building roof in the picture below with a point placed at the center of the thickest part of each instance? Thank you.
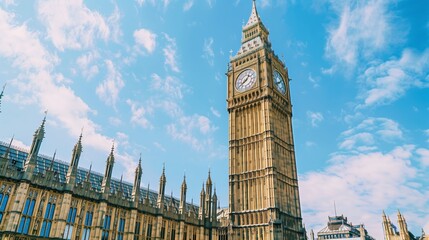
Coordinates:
(17, 157)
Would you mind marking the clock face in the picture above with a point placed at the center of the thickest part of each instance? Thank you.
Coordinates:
(279, 82)
(245, 80)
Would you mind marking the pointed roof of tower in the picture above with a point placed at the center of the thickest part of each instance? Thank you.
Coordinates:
(254, 17)
(51, 167)
(184, 180)
(209, 179)
(88, 175)
(6, 154)
(41, 130)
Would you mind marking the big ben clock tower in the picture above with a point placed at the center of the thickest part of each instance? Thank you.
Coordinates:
(263, 185)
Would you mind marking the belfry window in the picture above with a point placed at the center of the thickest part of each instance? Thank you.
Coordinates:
(3, 202)
(70, 223)
(121, 229)
(106, 227)
(87, 226)
(24, 224)
(47, 221)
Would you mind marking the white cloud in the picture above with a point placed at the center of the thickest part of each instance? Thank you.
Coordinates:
(215, 112)
(371, 130)
(87, 64)
(427, 133)
(170, 53)
(211, 3)
(38, 83)
(310, 144)
(7, 3)
(315, 118)
(114, 121)
(188, 5)
(171, 86)
(70, 24)
(159, 146)
(265, 3)
(363, 29)
(145, 38)
(138, 114)
(314, 80)
(364, 183)
(189, 128)
(424, 156)
(208, 52)
(385, 82)
(109, 89)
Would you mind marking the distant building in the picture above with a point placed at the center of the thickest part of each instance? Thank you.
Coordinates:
(339, 228)
(393, 233)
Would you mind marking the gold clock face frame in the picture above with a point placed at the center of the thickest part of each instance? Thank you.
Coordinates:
(245, 80)
(279, 82)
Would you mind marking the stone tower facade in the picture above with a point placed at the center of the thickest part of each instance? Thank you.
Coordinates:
(263, 185)
(393, 233)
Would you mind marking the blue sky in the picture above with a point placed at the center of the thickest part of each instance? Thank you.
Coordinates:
(149, 75)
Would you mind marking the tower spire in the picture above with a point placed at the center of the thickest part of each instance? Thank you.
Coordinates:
(30, 162)
(161, 192)
(137, 180)
(182, 207)
(105, 185)
(72, 171)
(254, 16)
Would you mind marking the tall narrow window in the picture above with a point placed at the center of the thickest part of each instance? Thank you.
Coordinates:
(149, 230)
(24, 224)
(87, 226)
(137, 231)
(121, 229)
(106, 228)
(70, 223)
(173, 234)
(47, 221)
(3, 202)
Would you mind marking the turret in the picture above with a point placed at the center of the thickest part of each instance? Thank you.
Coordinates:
(201, 214)
(311, 234)
(161, 192)
(72, 171)
(214, 207)
(182, 206)
(209, 186)
(105, 185)
(403, 229)
(137, 180)
(30, 162)
(6, 154)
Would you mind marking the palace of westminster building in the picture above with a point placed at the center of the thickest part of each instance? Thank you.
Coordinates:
(42, 198)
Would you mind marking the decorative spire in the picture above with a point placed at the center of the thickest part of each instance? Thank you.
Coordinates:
(182, 207)
(1, 95)
(72, 171)
(51, 167)
(162, 182)
(137, 180)
(254, 17)
(88, 175)
(30, 163)
(105, 185)
(6, 154)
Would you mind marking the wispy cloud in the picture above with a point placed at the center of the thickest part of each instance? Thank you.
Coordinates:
(384, 82)
(208, 52)
(188, 5)
(211, 3)
(315, 118)
(364, 28)
(215, 112)
(146, 39)
(371, 130)
(139, 114)
(171, 86)
(87, 64)
(170, 53)
(70, 24)
(109, 89)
